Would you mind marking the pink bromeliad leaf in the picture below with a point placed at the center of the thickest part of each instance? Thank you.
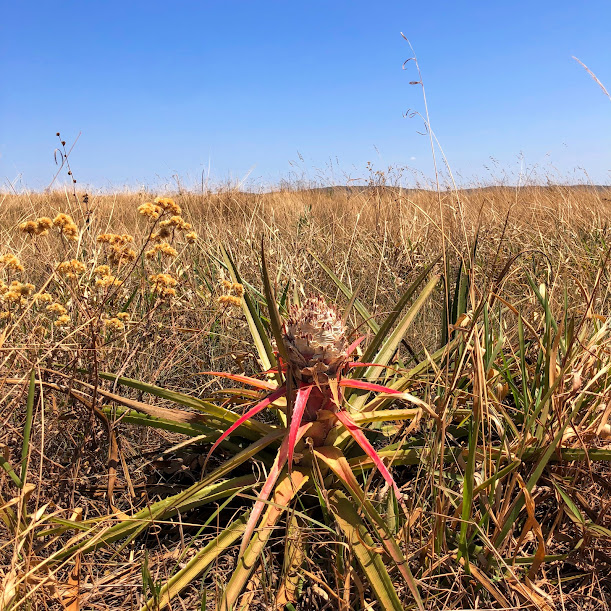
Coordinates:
(362, 385)
(301, 401)
(268, 486)
(280, 392)
(360, 438)
(353, 346)
(262, 384)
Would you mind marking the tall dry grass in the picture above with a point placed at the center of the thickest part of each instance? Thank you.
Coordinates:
(376, 240)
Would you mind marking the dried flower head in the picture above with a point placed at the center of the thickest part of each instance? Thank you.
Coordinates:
(191, 237)
(107, 281)
(11, 262)
(168, 205)
(315, 337)
(115, 239)
(44, 224)
(114, 324)
(62, 321)
(163, 248)
(23, 288)
(118, 255)
(66, 226)
(119, 250)
(151, 211)
(56, 308)
(29, 227)
(71, 269)
(229, 300)
(43, 298)
(102, 270)
(40, 226)
(163, 284)
(123, 315)
(176, 222)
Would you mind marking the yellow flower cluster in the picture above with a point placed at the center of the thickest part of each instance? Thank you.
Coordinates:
(164, 248)
(163, 284)
(40, 226)
(57, 308)
(115, 239)
(66, 226)
(191, 237)
(114, 324)
(71, 269)
(152, 211)
(235, 292)
(62, 321)
(105, 279)
(119, 250)
(167, 204)
(43, 298)
(11, 262)
(229, 300)
(102, 270)
(123, 315)
(16, 292)
(167, 227)
(177, 222)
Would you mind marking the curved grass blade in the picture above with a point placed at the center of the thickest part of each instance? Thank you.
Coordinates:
(27, 429)
(337, 462)
(209, 410)
(390, 344)
(274, 314)
(268, 486)
(394, 315)
(262, 384)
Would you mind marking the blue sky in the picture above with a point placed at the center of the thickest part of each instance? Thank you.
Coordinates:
(266, 91)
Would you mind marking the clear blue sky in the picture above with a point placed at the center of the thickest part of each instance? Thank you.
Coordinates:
(247, 87)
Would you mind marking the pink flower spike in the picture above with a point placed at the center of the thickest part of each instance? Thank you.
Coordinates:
(301, 401)
(360, 384)
(360, 438)
(249, 414)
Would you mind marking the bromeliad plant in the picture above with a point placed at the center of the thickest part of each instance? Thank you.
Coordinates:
(324, 396)
(315, 358)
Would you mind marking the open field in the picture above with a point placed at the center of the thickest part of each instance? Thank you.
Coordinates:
(497, 348)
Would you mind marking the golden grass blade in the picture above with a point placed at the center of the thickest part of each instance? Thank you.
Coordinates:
(288, 486)
(363, 547)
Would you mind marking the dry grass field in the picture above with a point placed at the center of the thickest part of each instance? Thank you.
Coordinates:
(465, 461)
